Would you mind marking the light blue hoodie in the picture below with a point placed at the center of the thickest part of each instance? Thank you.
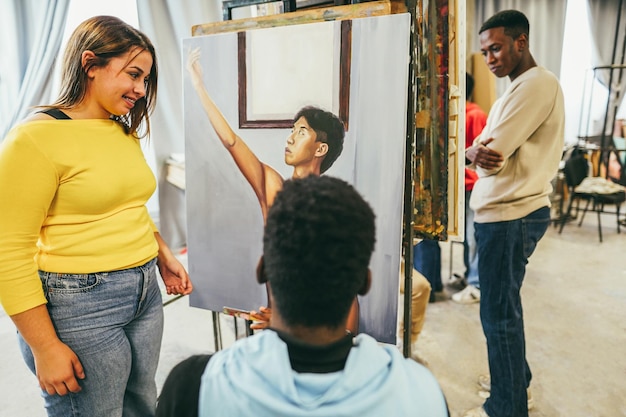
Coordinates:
(254, 378)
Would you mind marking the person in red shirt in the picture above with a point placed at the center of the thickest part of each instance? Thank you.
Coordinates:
(475, 121)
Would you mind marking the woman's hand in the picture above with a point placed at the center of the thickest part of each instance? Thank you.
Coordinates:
(174, 276)
(261, 319)
(58, 369)
(173, 273)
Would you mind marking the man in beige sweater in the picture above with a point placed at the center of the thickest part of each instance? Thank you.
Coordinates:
(516, 156)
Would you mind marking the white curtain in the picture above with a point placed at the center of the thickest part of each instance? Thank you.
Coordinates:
(605, 16)
(607, 24)
(167, 22)
(31, 32)
(547, 26)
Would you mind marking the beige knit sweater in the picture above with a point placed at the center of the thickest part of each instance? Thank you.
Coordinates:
(527, 124)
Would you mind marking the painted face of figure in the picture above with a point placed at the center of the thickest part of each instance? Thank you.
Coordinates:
(502, 53)
(302, 145)
(116, 87)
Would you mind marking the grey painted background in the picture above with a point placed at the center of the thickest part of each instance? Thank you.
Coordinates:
(225, 225)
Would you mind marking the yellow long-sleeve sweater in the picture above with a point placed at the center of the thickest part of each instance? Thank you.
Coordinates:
(72, 199)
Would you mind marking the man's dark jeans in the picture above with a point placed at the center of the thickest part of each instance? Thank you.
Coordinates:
(427, 261)
(503, 252)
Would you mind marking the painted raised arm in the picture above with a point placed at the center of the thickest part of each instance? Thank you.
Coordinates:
(262, 178)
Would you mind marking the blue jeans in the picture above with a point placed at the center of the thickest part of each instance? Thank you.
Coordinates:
(504, 248)
(427, 261)
(470, 251)
(113, 321)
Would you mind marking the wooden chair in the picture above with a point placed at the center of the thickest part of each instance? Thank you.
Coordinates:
(595, 191)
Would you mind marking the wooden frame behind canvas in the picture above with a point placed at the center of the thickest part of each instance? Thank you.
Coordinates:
(247, 121)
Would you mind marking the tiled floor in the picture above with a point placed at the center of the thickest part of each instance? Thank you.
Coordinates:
(575, 315)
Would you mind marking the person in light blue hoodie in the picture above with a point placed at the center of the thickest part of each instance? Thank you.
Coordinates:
(318, 240)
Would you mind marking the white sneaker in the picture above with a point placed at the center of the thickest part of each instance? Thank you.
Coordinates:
(484, 382)
(469, 295)
(458, 282)
(531, 401)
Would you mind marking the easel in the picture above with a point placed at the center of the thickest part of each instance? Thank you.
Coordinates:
(424, 112)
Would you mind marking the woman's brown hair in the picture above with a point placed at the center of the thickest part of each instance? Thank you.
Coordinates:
(107, 37)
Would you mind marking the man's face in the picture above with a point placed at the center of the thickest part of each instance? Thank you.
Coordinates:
(501, 52)
(302, 145)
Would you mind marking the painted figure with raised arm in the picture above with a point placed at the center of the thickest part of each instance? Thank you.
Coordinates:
(78, 249)
(313, 145)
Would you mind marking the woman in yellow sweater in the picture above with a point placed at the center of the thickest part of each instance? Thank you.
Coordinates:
(78, 249)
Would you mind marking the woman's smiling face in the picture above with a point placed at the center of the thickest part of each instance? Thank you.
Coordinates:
(117, 86)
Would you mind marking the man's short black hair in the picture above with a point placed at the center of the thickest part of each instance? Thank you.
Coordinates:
(328, 128)
(514, 23)
(317, 245)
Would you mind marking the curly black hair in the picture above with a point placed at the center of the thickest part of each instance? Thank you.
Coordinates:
(317, 245)
(328, 128)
